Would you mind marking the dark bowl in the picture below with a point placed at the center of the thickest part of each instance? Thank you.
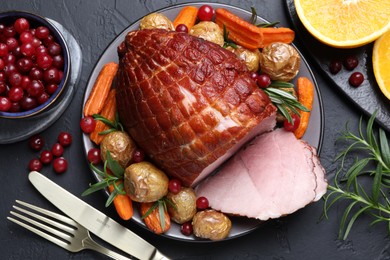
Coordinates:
(8, 18)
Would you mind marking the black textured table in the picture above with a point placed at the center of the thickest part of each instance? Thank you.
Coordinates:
(298, 236)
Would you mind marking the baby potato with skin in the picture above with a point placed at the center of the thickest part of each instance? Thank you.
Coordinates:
(185, 205)
(211, 224)
(208, 31)
(156, 21)
(250, 57)
(120, 145)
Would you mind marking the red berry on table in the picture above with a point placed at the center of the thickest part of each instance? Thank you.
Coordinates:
(21, 25)
(36, 142)
(35, 165)
(356, 79)
(335, 66)
(292, 126)
(46, 157)
(182, 28)
(174, 186)
(351, 62)
(94, 156)
(57, 150)
(65, 139)
(60, 165)
(206, 13)
(186, 228)
(87, 124)
(202, 203)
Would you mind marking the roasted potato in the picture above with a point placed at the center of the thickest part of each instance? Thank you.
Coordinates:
(144, 182)
(280, 61)
(211, 224)
(185, 203)
(250, 57)
(120, 145)
(156, 20)
(208, 31)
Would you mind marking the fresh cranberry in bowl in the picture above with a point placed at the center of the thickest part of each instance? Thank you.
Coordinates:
(31, 49)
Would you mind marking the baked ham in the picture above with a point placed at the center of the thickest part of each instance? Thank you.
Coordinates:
(273, 175)
(188, 103)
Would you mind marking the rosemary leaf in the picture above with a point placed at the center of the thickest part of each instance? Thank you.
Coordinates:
(352, 221)
(385, 150)
(344, 219)
(281, 84)
(161, 212)
(355, 170)
(376, 184)
(95, 187)
(111, 197)
(253, 19)
(114, 166)
(266, 25)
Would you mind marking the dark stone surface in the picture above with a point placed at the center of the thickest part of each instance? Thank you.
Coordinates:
(298, 236)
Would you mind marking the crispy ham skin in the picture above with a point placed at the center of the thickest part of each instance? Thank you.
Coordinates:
(273, 175)
(188, 103)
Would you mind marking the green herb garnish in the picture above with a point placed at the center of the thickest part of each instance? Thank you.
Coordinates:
(253, 20)
(114, 125)
(227, 41)
(112, 174)
(162, 208)
(373, 160)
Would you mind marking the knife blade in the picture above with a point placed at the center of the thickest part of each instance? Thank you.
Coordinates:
(95, 221)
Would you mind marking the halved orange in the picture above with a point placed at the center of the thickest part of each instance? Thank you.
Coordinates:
(344, 23)
(381, 63)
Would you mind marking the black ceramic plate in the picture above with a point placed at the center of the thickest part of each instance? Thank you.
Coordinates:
(14, 130)
(367, 96)
(241, 225)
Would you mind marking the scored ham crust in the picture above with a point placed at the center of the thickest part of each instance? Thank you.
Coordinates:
(188, 103)
(273, 175)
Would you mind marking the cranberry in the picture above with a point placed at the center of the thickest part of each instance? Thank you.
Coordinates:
(174, 186)
(138, 156)
(27, 49)
(48, 40)
(42, 98)
(40, 49)
(292, 126)
(51, 75)
(3, 77)
(15, 107)
(3, 87)
(15, 94)
(51, 88)
(205, 13)
(25, 82)
(263, 80)
(58, 62)
(351, 62)
(28, 103)
(182, 28)
(2, 64)
(54, 49)
(24, 64)
(3, 49)
(15, 79)
(17, 52)
(12, 43)
(44, 61)
(87, 124)
(26, 37)
(5, 104)
(21, 25)
(46, 157)
(9, 31)
(60, 165)
(356, 79)
(35, 165)
(36, 73)
(35, 88)
(186, 228)
(36, 142)
(42, 32)
(57, 149)
(94, 156)
(65, 139)
(36, 42)
(9, 59)
(202, 203)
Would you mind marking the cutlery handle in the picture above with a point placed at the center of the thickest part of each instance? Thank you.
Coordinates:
(91, 244)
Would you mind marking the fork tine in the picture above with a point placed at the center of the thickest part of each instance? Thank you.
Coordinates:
(52, 239)
(60, 217)
(56, 232)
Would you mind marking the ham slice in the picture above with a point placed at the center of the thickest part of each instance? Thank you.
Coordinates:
(272, 176)
(188, 103)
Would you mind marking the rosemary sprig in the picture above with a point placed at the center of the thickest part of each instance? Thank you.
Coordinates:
(347, 187)
(227, 41)
(253, 20)
(114, 125)
(162, 208)
(283, 100)
(112, 174)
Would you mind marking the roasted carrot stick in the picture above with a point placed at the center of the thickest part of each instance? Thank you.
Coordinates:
(100, 90)
(152, 220)
(186, 16)
(282, 34)
(123, 205)
(240, 31)
(108, 111)
(305, 91)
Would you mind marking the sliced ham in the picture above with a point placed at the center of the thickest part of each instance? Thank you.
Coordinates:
(272, 176)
